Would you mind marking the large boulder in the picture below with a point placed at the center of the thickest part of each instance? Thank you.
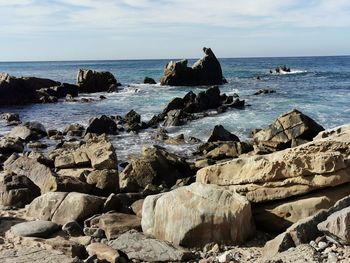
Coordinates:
(37, 228)
(291, 172)
(206, 71)
(90, 81)
(28, 131)
(37, 172)
(17, 190)
(291, 129)
(105, 181)
(61, 208)
(146, 249)
(21, 90)
(156, 166)
(195, 215)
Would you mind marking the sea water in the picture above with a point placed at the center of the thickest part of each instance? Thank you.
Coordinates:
(317, 86)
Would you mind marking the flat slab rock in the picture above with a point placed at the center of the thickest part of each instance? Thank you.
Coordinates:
(33, 255)
(38, 228)
(140, 247)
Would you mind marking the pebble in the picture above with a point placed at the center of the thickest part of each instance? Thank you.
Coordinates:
(322, 245)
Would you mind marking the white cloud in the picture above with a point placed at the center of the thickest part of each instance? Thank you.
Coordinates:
(127, 16)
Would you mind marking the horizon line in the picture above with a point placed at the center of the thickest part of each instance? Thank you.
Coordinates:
(150, 59)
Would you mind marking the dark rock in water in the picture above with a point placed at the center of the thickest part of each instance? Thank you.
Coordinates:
(64, 89)
(21, 90)
(102, 97)
(291, 128)
(10, 117)
(219, 133)
(90, 81)
(174, 104)
(17, 191)
(206, 71)
(280, 69)
(114, 88)
(149, 80)
(132, 117)
(174, 118)
(38, 228)
(101, 125)
(264, 91)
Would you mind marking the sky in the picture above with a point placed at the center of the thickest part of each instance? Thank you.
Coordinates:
(145, 29)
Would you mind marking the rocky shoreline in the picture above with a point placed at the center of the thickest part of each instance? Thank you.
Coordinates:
(281, 196)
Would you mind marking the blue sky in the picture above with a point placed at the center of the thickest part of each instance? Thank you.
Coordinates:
(131, 29)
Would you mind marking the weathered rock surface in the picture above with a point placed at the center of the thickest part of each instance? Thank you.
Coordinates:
(223, 150)
(38, 228)
(303, 231)
(291, 129)
(17, 190)
(337, 226)
(38, 173)
(90, 81)
(104, 181)
(277, 216)
(206, 71)
(315, 165)
(61, 208)
(140, 247)
(34, 254)
(11, 145)
(114, 224)
(196, 215)
(97, 153)
(156, 166)
(28, 131)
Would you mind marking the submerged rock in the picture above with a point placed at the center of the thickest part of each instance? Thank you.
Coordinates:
(90, 81)
(206, 71)
(148, 80)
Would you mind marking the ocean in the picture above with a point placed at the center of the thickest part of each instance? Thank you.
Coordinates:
(317, 86)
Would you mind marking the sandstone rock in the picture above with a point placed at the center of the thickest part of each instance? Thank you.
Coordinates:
(67, 184)
(148, 80)
(337, 225)
(90, 81)
(23, 132)
(208, 213)
(300, 254)
(38, 228)
(137, 207)
(156, 166)
(288, 127)
(143, 248)
(101, 153)
(104, 181)
(206, 71)
(219, 133)
(277, 216)
(296, 171)
(31, 168)
(17, 191)
(102, 125)
(72, 160)
(301, 232)
(62, 207)
(74, 129)
(229, 150)
(115, 224)
(104, 252)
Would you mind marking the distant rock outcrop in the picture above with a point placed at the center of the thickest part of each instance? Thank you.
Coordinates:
(90, 81)
(206, 71)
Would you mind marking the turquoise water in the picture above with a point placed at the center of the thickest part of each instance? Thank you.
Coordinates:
(318, 86)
